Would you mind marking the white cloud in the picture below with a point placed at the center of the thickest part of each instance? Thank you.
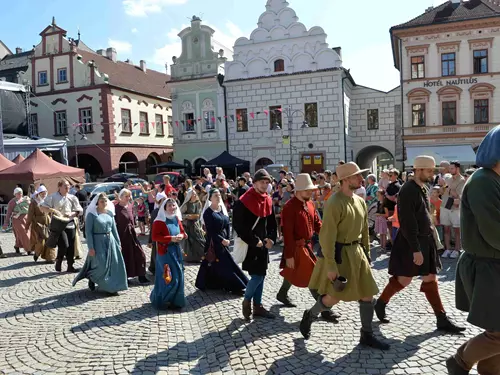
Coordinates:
(141, 8)
(134, 30)
(120, 45)
(224, 40)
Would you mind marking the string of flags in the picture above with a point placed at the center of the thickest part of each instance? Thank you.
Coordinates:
(192, 121)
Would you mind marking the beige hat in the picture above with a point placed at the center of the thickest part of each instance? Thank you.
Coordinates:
(349, 169)
(303, 182)
(424, 162)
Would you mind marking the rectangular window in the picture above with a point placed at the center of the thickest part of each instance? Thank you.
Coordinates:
(241, 120)
(448, 64)
(275, 118)
(449, 110)
(143, 123)
(85, 115)
(170, 126)
(159, 124)
(62, 75)
(311, 114)
(188, 122)
(126, 121)
(372, 119)
(61, 125)
(417, 67)
(34, 124)
(42, 78)
(209, 120)
(481, 111)
(418, 114)
(481, 61)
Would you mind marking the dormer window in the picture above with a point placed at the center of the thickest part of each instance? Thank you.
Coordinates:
(279, 65)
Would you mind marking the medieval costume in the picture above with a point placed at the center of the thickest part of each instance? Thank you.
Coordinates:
(478, 270)
(218, 269)
(346, 257)
(152, 262)
(106, 267)
(169, 277)
(416, 234)
(300, 222)
(17, 210)
(133, 254)
(254, 222)
(38, 223)
(195, 243)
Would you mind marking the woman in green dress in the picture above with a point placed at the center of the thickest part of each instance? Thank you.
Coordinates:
(194, 245)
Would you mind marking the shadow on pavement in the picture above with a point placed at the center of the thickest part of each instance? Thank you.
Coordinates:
(18, 280)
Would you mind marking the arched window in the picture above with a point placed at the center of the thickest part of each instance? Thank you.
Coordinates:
(279, 65)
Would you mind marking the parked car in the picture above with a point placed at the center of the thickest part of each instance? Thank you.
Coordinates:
(107, 187)
(174, 178)
(88, 187)
(136, 181)
(121, 177)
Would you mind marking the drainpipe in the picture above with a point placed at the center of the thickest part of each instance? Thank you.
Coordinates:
(220, 79)
(343, 116)
(401, 83)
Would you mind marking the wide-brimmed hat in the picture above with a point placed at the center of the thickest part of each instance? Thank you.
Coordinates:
(304, 182)
(424, 162)
(348, 170)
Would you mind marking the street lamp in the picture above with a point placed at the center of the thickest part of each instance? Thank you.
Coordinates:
(289, 113)
(77, 130)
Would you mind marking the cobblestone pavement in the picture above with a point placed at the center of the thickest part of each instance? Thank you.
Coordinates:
(49, 327)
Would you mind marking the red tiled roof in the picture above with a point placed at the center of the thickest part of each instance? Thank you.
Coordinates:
(130, 77)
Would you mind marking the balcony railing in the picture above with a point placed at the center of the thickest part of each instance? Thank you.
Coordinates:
(449, 129)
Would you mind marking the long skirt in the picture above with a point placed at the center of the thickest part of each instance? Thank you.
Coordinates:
(21, 234)
(194, 245)
(37, 238)
(169, 293)
(223, 274)
(107, 268)
(133, 254)
(78, 241)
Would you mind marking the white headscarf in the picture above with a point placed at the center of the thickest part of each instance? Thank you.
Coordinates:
(208, 203)
(158, 198)
(162, 213)
(92, 207)
(124, 191)
(189, 195)
(37, 192)
(18, 190)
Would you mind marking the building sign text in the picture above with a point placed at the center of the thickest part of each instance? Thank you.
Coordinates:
(451, 82)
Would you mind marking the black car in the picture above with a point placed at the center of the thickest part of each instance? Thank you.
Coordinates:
(122, 177)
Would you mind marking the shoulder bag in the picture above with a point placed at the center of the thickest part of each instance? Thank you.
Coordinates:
(240, 247)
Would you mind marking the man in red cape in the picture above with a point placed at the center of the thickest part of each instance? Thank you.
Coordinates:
(255, 224)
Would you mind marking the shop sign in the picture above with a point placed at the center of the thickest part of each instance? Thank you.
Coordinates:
(451, 82)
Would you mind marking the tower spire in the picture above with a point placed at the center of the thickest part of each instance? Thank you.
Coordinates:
(53, 21)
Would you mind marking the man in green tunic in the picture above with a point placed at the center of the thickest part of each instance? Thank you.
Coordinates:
(344, 240)
(478, 270)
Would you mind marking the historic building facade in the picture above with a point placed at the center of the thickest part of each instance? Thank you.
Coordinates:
(450, 64)
(197, 98)
(115, 116)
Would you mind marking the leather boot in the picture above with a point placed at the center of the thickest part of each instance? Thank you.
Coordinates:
(305, 324)
(285, 300)
(247, 309)
(380, 311)
(58, 265)
(445, 324)
(454, 368)
(260, 311)
(18, 251)
(367, 339)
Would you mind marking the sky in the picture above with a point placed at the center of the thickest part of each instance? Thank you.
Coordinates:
(147, 29)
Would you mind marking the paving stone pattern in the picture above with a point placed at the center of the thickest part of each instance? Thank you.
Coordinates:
(49, 327)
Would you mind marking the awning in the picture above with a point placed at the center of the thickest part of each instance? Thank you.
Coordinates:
(462, 153)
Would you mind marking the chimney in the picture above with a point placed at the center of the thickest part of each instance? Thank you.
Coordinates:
(101, 52)
(143, 66)
(456, 1)
(339, 51)
(111, 54)
(429, 9)
(19, 50)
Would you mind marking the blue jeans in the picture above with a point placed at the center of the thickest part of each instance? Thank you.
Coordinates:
(394, 232)
(254, 289)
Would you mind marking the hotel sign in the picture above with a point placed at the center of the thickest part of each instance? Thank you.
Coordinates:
(451, 82)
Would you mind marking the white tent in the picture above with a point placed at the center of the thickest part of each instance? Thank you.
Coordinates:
(25, 146)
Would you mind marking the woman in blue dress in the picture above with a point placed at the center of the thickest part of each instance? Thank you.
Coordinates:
(218, 269)
(169, 276)
(104, 265)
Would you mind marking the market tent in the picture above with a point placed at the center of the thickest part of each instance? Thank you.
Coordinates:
(24, 146)
(5, 163)
(18, 159)
(228, 162)
(38, 168)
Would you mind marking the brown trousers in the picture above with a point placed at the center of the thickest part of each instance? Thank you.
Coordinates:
(484, 350)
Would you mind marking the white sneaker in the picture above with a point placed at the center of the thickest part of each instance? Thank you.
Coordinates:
(446, 254)
(454, 254)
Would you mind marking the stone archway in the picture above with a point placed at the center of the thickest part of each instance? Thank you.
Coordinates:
(90, 164)
(197, 166)
(374, 157)
(152, 159)
(128, 163)
(262, 163)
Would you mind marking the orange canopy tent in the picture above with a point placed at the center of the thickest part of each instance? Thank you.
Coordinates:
(5, 163)
(36, 169)
(18, 159)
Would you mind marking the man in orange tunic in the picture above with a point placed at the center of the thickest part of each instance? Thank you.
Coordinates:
(300, 221)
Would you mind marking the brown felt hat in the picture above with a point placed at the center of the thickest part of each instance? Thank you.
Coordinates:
(262, 174)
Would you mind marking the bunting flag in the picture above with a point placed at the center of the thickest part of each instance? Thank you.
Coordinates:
(225, 116)
(279, 109)
(213, 119)
(135, 124)
(177, 123)
(252, 115)
(258, 113)
(238, 116)
(152, 124)
(183, 122)
(199, 119)
(190, 121)
(266, 112)
(220, 119)
(232, 118)
(142, 125)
